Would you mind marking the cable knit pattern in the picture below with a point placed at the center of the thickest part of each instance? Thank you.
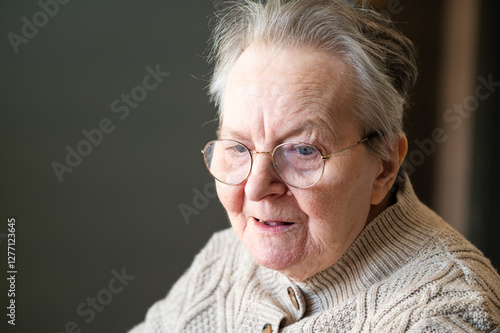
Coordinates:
(408, 271)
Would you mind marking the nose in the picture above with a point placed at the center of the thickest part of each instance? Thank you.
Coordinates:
(263, 180)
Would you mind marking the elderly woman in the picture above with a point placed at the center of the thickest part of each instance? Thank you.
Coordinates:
(327, 234)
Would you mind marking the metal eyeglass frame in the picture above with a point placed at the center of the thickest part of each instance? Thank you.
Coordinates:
(323, 157)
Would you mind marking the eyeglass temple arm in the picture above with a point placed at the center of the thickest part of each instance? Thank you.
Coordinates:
(370, 136)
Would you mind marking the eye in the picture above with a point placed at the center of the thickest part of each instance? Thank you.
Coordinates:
(237, 149)
(240, 148)
(305, 150)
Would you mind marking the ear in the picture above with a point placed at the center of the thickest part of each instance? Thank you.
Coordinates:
(389, 170)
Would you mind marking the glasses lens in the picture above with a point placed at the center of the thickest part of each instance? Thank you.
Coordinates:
(298, 164)
(228, 161)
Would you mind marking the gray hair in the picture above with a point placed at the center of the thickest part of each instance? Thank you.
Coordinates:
(382, 59)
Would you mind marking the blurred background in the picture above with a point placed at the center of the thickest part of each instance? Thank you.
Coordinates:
(100, 147)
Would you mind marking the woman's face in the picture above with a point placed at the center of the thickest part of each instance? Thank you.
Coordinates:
(302, 95)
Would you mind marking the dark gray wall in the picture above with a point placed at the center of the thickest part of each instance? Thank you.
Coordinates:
(119, 208)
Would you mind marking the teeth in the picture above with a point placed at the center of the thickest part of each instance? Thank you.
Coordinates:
(272, 223)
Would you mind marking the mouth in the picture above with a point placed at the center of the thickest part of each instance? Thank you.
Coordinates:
(273, 223)
(271, 226)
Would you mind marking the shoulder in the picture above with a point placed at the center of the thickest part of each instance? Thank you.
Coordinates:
(219, 258)
(197, 291)
(451, 261)
(218, 245)
(449, 286)
(222, 256)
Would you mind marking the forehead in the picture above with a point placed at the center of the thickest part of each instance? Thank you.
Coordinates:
(285, 89)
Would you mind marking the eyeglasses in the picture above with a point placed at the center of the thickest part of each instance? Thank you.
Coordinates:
(298, 164)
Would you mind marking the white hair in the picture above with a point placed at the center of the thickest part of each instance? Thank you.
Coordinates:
(382, 59)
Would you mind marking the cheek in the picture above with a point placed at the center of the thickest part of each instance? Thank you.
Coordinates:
(231, 198)
(324, 205)
(343, 194)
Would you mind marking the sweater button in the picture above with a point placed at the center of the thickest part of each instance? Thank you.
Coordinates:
(267, 328)
(291, 294)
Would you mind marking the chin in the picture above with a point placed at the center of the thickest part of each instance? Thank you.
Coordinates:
(272, 256)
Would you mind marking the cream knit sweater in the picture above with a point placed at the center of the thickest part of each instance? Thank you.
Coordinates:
(408, 271)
